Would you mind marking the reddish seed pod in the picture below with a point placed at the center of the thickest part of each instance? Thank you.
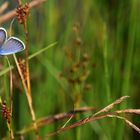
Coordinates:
(78, 41)
(22, 68)
(22, 13)
(6, 112)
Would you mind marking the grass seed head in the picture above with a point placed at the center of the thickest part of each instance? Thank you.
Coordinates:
(22, 13)
(6, 112)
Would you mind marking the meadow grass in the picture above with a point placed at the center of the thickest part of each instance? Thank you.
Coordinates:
(94, 62)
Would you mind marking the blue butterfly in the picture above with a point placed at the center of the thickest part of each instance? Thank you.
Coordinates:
(11, 45)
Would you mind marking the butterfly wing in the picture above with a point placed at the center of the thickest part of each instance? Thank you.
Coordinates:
(3, 36)
(11, 46)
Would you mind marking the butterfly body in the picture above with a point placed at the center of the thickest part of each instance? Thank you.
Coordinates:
(11, 45)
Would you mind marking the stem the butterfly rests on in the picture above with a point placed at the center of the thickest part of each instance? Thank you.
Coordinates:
(22, 14)
(28, 79)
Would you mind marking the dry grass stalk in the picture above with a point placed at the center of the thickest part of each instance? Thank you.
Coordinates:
(110, 106)
(135, 111)
(12, 13)
(126, 121)
(3, 7)
(51, 119)
(110, 114)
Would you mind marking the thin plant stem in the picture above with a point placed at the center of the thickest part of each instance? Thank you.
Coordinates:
(27, 94)
(28, 80)
(10, 131)
(9, 15)
(9, 124)
(126, 83)
(27, 85)
(106, 69)
(30, 57)
(27, 61)
(21, 75)
(19, 2)
(11, 86)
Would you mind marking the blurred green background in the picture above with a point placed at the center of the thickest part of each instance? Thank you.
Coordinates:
(95, 61)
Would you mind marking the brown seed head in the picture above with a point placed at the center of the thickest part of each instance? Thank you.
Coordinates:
(22, 68)
(78, 41)
(22, 13)
(6, 112)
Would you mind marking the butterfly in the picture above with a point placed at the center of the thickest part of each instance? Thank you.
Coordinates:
(11, 45)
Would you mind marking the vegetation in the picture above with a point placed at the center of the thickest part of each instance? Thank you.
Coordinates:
(80, 65)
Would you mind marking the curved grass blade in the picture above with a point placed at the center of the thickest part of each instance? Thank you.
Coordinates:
(30, 57)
